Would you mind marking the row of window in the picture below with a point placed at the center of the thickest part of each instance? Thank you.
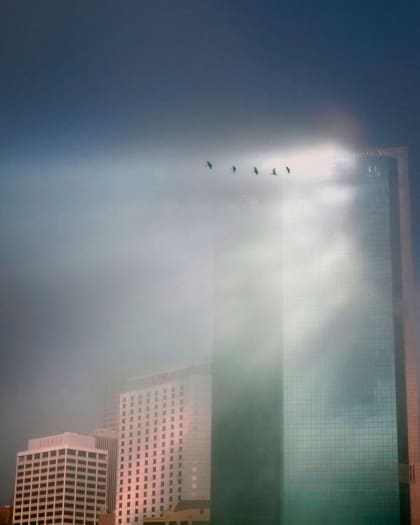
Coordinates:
(151, 492)
(57, 502)
(161, 457)
(155, 437)
(69, 494)
(152, 508)
(147, 409)
(123, 473)
(145, 486)
(155, 445)
(61, 452)
(147, 403)
(53, 469)
(148, 394)
(57, 506)
(155, 452)
(56, 494)
(100, 498)
(82, 481)
(53, 464)
(59, 487)
(146, 428)
(145, 460)
(147, 423)
(157, 408)
(66, 519)
(88, 515)
(69, 468)
(145, 503)
(155, 471)
(28, 465)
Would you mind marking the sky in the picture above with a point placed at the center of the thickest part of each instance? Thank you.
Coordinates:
(108, 111)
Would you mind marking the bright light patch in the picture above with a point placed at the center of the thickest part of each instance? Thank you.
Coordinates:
(312, 162)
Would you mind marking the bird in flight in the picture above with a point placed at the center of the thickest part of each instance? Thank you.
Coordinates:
(254, 169)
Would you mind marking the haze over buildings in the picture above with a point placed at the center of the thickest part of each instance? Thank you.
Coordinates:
(289, 282)
(108, 113)
(314, 371)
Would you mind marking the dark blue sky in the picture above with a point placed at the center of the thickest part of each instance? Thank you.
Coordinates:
(103, 107)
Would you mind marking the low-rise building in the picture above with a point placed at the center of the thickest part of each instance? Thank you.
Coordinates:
(107, 519)
(6, 515)
(193, 512)
(60, 479)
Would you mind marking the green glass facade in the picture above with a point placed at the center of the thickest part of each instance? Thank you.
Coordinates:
(309, 407)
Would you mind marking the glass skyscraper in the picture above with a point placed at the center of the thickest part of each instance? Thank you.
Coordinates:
(309, 366)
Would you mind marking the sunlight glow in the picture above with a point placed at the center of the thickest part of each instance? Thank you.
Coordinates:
(314, 161)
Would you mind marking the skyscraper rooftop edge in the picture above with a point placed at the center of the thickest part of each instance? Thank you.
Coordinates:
(163, 376)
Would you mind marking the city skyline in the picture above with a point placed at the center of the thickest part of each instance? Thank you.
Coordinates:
(131, 376)
(109, 114)
(163, 426)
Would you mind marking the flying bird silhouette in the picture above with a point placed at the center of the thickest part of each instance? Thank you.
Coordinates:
(274, 172)
(256, 171)
(288, 169)
(233, 169)
(209, 165)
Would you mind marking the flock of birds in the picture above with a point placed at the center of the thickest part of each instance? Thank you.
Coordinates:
(254, 169)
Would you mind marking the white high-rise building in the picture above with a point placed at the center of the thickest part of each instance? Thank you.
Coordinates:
(60, 479)
(164, 443)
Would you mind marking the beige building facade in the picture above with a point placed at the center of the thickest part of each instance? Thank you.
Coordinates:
(60, 479)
